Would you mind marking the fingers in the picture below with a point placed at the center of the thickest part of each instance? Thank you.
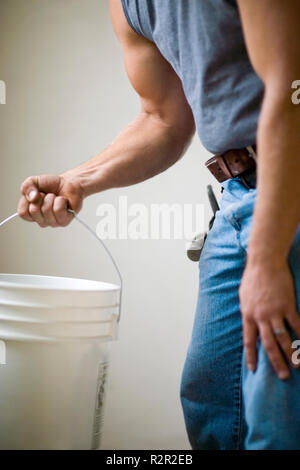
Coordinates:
(31, 212)
(34, 185)
(272, 349)
(30, 189)
(46, 197)
(35, 211)
(47, 210)
(294, 320)
(23, 209)
(283, 339)
(249, 339)
(61, 214)
(274, 345)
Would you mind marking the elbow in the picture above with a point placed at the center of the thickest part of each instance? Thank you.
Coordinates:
(184, 130)
(282, 93)
(280, 113)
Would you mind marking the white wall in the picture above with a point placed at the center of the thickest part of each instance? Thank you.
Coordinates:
(68, 97)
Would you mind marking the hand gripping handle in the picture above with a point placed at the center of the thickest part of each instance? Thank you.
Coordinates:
(94, 235)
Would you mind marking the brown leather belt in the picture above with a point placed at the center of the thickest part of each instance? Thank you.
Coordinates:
(233, 163)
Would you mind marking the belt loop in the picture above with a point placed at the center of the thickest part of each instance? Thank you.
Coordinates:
(252, 152)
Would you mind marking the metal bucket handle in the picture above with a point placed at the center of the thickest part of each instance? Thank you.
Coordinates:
(92, 232)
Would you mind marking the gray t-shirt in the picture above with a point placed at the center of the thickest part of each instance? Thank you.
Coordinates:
(204, 43)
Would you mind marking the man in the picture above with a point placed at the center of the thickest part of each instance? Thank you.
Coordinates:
(226, 67)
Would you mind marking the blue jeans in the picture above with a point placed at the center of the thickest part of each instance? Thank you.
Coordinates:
(225, 405)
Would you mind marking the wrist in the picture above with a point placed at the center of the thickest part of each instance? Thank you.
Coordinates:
(73, 178)
(266, 259)
(87, 182)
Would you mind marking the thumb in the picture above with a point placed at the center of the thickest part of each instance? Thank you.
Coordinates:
(34, 185)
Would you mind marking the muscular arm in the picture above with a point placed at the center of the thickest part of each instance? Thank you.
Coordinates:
(152, 143)
(160, 134)
(267, 293)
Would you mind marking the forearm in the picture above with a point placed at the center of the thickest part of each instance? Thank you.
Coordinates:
(145, 148)
(277, 211)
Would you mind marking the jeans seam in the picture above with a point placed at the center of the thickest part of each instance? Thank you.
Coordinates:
(238, 237)
(238, 393)
(237, 428)
(238, 227)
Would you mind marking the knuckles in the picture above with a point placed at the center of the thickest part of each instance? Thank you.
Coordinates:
(53, 205)
(58, 210)
(260, 314)
(248, 343)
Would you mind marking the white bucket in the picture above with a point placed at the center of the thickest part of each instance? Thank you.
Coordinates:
(54, 349)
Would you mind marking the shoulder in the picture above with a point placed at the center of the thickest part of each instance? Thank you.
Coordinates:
(120, 23)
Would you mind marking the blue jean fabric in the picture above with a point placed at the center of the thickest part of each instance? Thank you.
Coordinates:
(226, 406)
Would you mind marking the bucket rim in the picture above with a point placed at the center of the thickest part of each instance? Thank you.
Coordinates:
(96, 286)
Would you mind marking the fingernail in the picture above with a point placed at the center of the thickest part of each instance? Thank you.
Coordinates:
(251, 367)
(32, 195)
